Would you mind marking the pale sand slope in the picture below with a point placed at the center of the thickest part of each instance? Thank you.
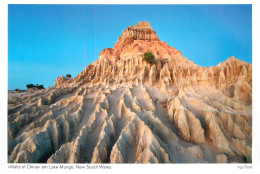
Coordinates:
(120, 109)
(128, 123)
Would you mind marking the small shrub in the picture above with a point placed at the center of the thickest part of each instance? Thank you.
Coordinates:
(68, 75)
(40, 87)
(34, 86)
(148, 57)
(29, 86)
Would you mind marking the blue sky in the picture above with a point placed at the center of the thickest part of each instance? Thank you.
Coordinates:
(46, 41)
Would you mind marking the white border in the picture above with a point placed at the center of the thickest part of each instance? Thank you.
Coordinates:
(129, 2)
(137, 168)
(256, 85)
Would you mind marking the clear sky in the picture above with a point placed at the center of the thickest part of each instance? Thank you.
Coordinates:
(46, 41)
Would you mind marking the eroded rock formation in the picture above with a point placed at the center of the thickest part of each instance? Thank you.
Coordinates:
(121, 109)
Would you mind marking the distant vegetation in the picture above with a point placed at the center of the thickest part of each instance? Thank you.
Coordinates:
(34, 86)
(68, 75)
(148, 57)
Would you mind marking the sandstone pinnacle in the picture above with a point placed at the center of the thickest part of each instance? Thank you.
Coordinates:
(140, 31)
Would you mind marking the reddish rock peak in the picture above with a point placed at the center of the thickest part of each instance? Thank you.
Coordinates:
(143, 24)
(138, 39)
(140, 31)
